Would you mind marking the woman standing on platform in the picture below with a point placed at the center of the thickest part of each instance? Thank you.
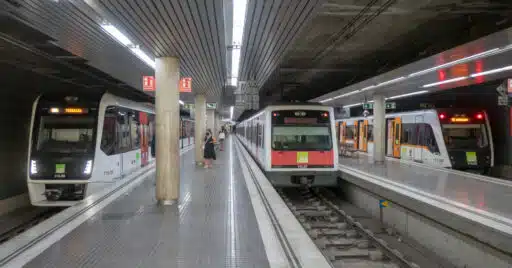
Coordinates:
(209, 150)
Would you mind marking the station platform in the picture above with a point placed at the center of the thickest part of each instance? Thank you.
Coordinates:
(219, 221)
(474, 205)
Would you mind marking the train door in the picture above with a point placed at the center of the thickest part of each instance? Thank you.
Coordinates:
(418, 149)
(397, 135)
(144, 144)
(356, 135)
(343, 129)
(363, 135)
(389, 137)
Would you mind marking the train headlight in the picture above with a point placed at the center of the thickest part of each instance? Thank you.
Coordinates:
(33, 167)
(88, 167)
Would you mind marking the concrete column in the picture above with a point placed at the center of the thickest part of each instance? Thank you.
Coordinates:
(210, 119)
(167, 130)
(200, 126)
(379, 128)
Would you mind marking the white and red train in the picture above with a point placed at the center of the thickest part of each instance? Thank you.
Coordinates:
(293, 144)
(80, 144)
(447, 138)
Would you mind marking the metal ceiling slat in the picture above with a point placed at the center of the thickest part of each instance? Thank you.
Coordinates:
(174, 36)
(142, 30)
(305, 15)
(287, 23)
(221, 40)
(194, 19)
(217, 55)
(210, 49)
(258, 37)
(269, 35)
(184, 23)
(248, 44)
(120, 19)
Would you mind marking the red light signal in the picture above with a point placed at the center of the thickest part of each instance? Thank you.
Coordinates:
(479, 116)
(442, 116)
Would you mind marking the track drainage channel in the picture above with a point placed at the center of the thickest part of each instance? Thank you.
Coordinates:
(345, 242)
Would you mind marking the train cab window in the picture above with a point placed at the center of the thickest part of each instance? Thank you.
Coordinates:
(465, 136)
(66, 134)
(108, 138)
(301, 138)
(408, 134)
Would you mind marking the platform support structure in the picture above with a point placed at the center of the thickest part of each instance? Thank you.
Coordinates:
(167, 77)
(379, 129)
(200, 126)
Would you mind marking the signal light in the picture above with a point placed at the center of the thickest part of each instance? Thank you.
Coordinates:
(54, 110)
(442, 116)
(324, 114)
(274, 114)
(479, 116)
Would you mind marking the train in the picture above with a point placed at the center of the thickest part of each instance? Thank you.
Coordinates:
(445, 138)
(294, 145)
(79, 144)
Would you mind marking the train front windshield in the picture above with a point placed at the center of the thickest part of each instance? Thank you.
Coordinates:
(301, 130)
(466, 136)
(65, 134)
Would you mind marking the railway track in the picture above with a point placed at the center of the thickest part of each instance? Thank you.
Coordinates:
(27, 223)
(343, 240)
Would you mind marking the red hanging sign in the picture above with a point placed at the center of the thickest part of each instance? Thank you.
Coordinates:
(186, 84)
(148, 83)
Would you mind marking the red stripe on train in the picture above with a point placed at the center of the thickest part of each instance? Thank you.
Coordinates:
(295, 158)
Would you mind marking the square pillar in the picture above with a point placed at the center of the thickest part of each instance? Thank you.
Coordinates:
(379, 129)
(200, 126)
(167, 130)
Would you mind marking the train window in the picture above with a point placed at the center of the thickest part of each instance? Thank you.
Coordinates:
(429, 139)
(134, 129)
(123, 131)
(108, 138)
(370, 132)
(408, 136)
(350, 132)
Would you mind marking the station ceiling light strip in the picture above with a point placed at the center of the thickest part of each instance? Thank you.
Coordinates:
(493, 71)
(407, 95)
(486, 53)
(239, 10)
(445, 81)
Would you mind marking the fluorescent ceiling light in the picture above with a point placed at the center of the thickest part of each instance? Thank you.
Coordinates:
(118, 35)
(233, 81)
(231, 110)
(352, 105)
(181, 102)
(445, 81)
(407, 95)
(506, 68)
(366, 88)
(143, 56)
(390, 81)
(239, 8)
(326, 100)
(481, 54)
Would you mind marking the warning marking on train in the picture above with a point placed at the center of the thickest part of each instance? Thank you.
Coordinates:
(302, 157)
(383, 203)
